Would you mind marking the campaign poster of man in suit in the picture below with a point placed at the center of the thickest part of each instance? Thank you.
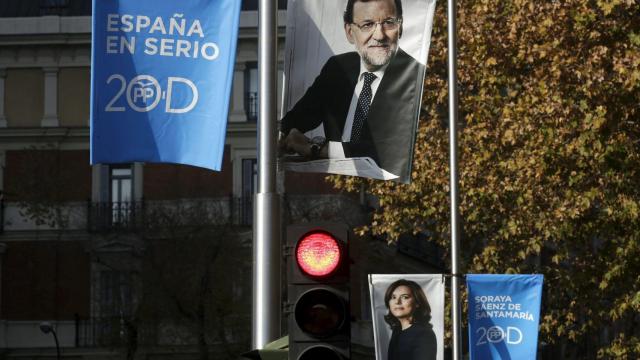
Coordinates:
(354, 73)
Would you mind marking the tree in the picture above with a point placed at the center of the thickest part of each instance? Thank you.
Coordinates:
(184, 278)
(549, 161)
(196, 275)
(40, 187)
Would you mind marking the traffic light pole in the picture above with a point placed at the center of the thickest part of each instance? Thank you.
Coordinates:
(453, 173)
(266, 229)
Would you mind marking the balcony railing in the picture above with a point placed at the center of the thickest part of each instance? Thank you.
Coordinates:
(136, 216)
(34, 8)
(108, 331)
(253, 5)
(112, 216)
(118, 331)
(54, 7)
(251, 101)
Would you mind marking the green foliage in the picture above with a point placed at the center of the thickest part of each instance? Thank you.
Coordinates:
(549, 162)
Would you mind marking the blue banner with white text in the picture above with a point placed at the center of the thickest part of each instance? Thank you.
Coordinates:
(504, 313)
(161, 77)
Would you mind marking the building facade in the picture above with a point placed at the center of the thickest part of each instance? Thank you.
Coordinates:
(137, 259)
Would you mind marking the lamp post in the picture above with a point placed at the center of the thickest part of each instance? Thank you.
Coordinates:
(46, 328)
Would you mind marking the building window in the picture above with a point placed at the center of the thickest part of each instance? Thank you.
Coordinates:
(249, 187)
(121, 194)
(115, 306)
(251, 83)
(115, 294)
(251, 91)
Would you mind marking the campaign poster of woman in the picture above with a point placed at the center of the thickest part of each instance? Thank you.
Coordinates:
(408, 316)
(354, 73)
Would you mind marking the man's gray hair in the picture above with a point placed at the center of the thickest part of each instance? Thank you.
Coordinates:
(348, 12)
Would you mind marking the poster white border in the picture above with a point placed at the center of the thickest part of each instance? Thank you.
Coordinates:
(433, 286)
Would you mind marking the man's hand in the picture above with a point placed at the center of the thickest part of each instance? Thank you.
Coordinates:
(297, 142)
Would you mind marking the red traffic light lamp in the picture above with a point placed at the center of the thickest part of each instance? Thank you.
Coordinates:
(318, 292)
(318, 253)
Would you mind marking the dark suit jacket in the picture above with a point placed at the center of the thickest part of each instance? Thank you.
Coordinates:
(389, 132)
(418, 342)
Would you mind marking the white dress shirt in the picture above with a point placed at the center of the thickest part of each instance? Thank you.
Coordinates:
(335, 148)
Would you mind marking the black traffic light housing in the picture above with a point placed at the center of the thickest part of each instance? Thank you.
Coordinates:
(318, 303)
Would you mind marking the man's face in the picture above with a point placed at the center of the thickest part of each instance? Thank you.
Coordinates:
(377, 47)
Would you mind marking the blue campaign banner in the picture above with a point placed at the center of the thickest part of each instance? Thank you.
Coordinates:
(504, 313)
(161, 77)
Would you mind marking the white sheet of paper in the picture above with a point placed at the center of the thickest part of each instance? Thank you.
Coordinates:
(360, 166)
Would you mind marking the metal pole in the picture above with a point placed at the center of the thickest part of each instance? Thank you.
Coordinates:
(453, 166)
(266, 229)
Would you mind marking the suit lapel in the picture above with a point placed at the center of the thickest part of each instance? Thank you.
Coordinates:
(341, 92)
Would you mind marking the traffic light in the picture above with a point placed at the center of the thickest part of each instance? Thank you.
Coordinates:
(318, 292)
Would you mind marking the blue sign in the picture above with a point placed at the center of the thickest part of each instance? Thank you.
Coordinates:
(161, 77)
(504, 312)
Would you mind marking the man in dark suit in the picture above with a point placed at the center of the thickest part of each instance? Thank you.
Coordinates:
(368, 100)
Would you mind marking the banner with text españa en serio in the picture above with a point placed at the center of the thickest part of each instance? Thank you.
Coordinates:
(504, 313)
(161, 77)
